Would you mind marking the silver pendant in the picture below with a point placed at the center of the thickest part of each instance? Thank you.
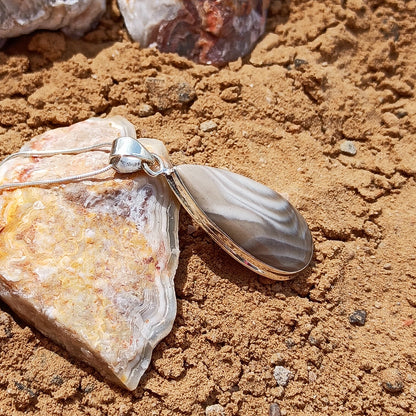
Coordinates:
(254, 224)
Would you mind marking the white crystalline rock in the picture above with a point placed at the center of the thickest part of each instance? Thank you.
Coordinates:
(93, 269)
(143, 18)
(282, 375)
(74, 17)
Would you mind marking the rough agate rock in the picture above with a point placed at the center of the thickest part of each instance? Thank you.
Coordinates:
(19, 17)
(91, 264)
(206, 31)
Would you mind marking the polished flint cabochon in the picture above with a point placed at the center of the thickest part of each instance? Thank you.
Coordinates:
(255, 217)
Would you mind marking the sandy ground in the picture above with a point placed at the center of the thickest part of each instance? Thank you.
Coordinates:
(327, 78)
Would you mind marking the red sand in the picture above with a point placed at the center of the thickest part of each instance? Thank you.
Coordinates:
(324, 73)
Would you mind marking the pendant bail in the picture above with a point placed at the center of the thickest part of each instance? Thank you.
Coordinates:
(127, 155)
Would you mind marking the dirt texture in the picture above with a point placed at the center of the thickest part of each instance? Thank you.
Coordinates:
(323, 111)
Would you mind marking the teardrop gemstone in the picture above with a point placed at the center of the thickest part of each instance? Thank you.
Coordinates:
(255, 224)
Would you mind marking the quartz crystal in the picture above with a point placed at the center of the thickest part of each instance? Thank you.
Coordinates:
(91, 264)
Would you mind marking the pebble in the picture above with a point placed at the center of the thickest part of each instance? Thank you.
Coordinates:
(164, 93)
(274, 410)
(290, 343)
(299, 62)
(214, 410)
(191, 229)
(186, 93)
(277, 359)
(401, 113)
(358, 317)
(392, 381)
(57, 380)
(348, 148)
(282, 375)
(208, 125)
(312, 377)
(387, 266)
(146, 110)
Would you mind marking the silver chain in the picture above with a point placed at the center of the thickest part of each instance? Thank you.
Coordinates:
(45, 153)
(48, 153)
(127, 155)
(55, 181)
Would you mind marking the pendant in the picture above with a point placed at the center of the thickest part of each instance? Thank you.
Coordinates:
(89, 238)
(252, 223)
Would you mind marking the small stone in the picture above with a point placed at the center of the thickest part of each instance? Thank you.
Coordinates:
(191, 229)
(387, 266)
(23, 396)
(358, 317)
(290, 343)
(401, 113)
(299, 62)
(277, 359)
(22, 387)
(186, 93)
(90, 387)
(316, 337)
(348, 148)
(208, 125)
(145, 110)
(194, 143)
(57, 380)
(282, 375)
(274, 410)
(166, 93)
(312, 377)
(392, 380)
(214, 410)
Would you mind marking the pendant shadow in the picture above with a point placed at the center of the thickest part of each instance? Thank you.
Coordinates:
(222, 265)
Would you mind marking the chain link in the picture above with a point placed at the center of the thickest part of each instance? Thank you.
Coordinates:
(143, 163)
